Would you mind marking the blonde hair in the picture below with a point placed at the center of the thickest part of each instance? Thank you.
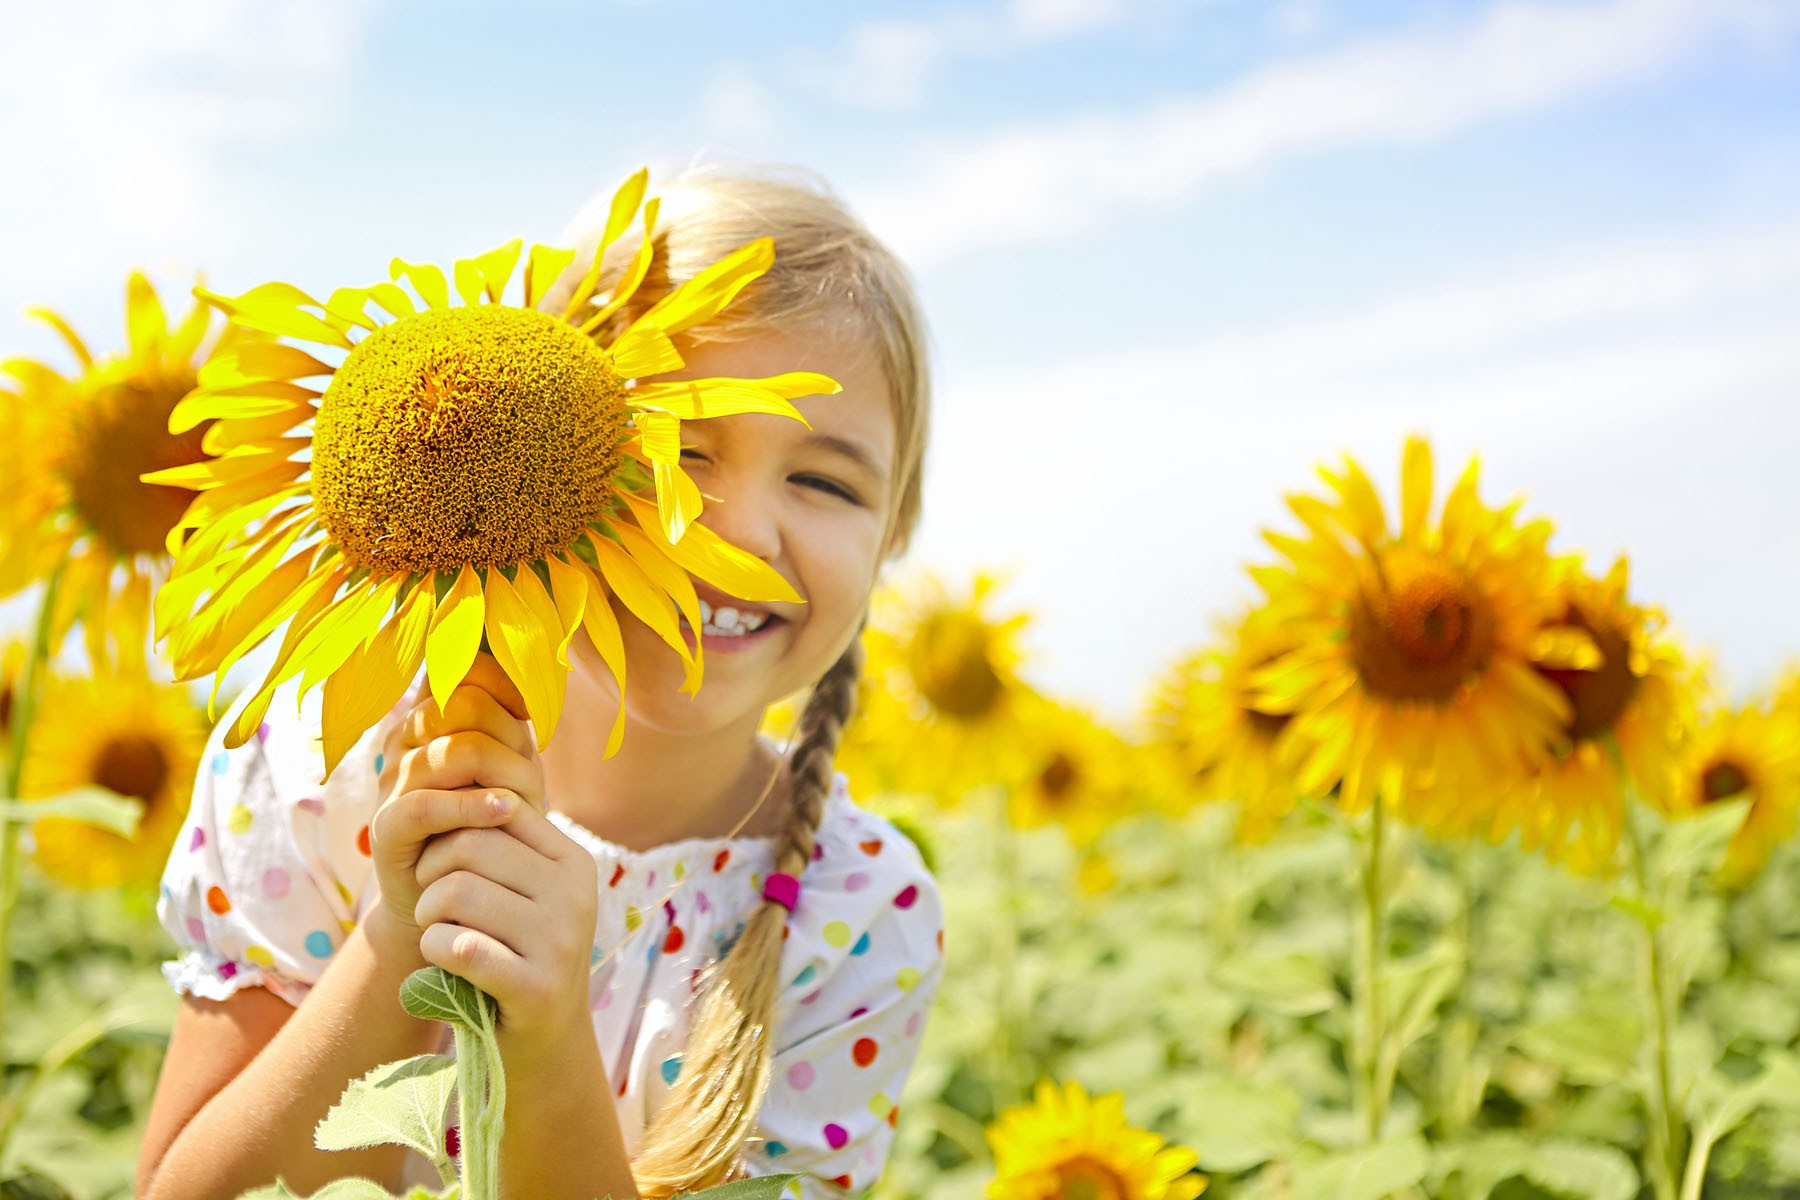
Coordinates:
(832, 279)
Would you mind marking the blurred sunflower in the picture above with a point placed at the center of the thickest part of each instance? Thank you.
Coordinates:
(1752, 754)
(470, 469)
(129, 735)
(1076, 773)
(72, 449)
(1412, 670)
(1068, 1146)
(1204, 716)
(1634, 693)
(942, 693)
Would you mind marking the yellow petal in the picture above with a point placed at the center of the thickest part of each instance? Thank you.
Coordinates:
(250, 361)
(204, 405)
(66, 332)
(316, 605)
(568, 587)
(1565, 647)
(603, 630)
(712, 558)
(519, 620)
(426, 279)
(145, 323)
(185, 341)
(226, 436)
(359, 617)
(393, 298)
(275, 308)
(645, 350)
(234, 467)
(373, 678)
(705, 295)
(1415, 488)
(677, 497)
(543, 266)
(347, 306)
(455, 635)
(624, 207)
(634, 274)
(693, 399)
(627, 581)
(662, 572)
(493, 269)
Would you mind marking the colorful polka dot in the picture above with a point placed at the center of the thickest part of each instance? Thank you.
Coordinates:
(818, 851)
(651, 881)
(195, 929)
(879, 1104)
(593, 958)
(856, 881)
(606, 998)
(674, 941)
(774, 1149)
(860, 1011)
(227, 970)
(198, 840)
(618, 874)
(872, 847)
(313, 804)
(801, 1075)
(843, 1181)
(702, 902)
(836, 933)
(836, 1136)
(810, 998)
(275, 883)
(680, 870)
(221, 763)
(652, 951)
(907, 897)
(907, 978)
(240, 819)
(861, 947)
(216, 900)
(801, 980)
(380, 762)
(362, 842)
(864, 1052)
(259, 955)
(318, 944)
(912, 1024)
(671, 1068)
(633, 918)
(719, 861)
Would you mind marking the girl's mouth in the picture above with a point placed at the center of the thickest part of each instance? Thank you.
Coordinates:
(725, 629)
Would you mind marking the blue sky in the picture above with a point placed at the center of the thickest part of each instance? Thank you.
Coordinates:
(1174, 252)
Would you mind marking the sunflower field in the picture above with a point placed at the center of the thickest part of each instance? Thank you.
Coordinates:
(1446, 870)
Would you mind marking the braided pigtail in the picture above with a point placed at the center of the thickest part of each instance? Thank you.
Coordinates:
(696, 1138)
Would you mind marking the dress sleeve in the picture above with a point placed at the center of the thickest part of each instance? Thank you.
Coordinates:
(266, 877)
(862, 963)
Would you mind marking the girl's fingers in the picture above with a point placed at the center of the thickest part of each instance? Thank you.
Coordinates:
(488, 675)
(472, 901)
(492, 853)
(471, 709)
(477, 956)
(403, 824)
(470, 759)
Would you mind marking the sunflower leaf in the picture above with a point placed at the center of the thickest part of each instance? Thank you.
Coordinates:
(404, 1103)
(434, 994)
(92, 805)
(765, 1187)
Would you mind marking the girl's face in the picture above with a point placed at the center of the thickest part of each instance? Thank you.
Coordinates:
(812, 503)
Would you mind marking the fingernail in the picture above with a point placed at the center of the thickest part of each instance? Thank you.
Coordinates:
(500, 806)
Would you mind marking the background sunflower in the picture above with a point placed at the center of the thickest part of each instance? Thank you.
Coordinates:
(1066, 1144)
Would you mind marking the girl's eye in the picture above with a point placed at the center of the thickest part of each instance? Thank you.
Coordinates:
(828, 486)
(689, 451)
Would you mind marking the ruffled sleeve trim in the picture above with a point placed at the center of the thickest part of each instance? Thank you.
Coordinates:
(211, 977)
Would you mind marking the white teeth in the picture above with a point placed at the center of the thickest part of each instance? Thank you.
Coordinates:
(729, 622)
(725, 618)
(706, 612)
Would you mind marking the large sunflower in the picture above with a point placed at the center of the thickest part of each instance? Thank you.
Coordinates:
(1069, 1146)
(1205, 717)
(72, 448)
(476, 469)
(129, 735)
(1631, 713)
(1412, 674)
(941, 711)
(1752, 754)
(1077, 773)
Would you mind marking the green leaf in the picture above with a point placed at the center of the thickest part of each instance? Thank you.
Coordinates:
(1243, 1124)
(1590, 1047)
(1293, 984)
(342, 1189)
(1370, 1174)
(33, 1186)
(766, 1187)
(95, 806)
(434, 994)
(1572, 1169)
(405, 1103)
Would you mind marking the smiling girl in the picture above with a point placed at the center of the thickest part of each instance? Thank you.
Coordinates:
(709, 961)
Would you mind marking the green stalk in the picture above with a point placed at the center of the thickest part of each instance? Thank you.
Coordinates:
(1369, 983)
(1666, 1131)
(1006, 855)
(480, 1105)
(25, 704)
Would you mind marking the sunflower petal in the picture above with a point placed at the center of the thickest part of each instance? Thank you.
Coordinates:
(645, 350)
(603, 630)
(1415, 488)
(519, 620)
(496, 268)
(543, 267)
(257, 361)
(705, 295)
(276, 308)
(203, 405)
(663, 572)
(712, 558)
(634, 274)
(678, 500)
(146, 325)
(693, 399)
(360, 617)
(374, 677)
(627, 580)
(426, 279)
(235, 467)
(235, 434)
(455, 636)
(568, 587)
(66, 331)
(185, 341)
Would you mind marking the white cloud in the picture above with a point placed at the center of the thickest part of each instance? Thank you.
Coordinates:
(120, 110)
(1641, 395)
(735, 107)
(1056, 179)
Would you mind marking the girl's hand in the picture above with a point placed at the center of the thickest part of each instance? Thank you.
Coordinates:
(513, 911)
(472, 766)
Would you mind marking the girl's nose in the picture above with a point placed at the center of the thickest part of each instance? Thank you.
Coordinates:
(743, 515)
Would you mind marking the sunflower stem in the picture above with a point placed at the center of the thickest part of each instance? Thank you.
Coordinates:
(24, 712)
(1664, 1151)
(1006, 855)
(1369, 991)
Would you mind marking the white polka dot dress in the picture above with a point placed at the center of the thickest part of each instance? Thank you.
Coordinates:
(271, 872)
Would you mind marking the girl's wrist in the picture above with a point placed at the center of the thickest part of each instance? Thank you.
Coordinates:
(394, 944)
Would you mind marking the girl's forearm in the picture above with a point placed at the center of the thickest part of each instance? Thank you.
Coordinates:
(562, 1134)
(261, 1124)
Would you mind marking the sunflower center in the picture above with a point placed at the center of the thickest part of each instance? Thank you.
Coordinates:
(1722, 780)
(1084, 1178)
(120, 433)
(951, 662)
(487, 436)
(131, 765)
(1267, 724)
(1599, 697)
(1058, 778)
(1423, 636)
